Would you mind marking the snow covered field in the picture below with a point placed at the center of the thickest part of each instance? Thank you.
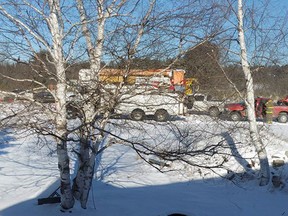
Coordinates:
(126, 185)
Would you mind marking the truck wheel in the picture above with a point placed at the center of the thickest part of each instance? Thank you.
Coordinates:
(189, 105)
(235, 116)
(137, 115)
(161, 115)
(189, 102)
(214, 111)
(282, 118)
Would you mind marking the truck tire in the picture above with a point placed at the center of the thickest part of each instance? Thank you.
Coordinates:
(137, 115)
(282, 118)
(214, 111)
(161, 115)
(188, 102)
(235, 116)
(189, 105)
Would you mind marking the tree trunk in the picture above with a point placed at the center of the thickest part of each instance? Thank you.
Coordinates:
(90, 140)
(88, 144)
(83, 180)
(56, 28)
(83, 158)
(67, 200)
(254, 132)
(89, 172)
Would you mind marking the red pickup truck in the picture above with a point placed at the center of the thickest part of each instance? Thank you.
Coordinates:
(237, 111)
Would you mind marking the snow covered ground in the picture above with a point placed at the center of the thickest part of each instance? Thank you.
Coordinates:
(126, 185)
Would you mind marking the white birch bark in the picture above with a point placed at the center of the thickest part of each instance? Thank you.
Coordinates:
(67, 200)
(56, 27)
(89, 140)
(53, 19)
(94, 52)
(254, 132)
(83, 180)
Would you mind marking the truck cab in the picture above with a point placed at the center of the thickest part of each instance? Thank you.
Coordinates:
(237, 111)
(202, 103)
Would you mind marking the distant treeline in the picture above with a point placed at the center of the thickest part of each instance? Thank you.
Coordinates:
(201, 63)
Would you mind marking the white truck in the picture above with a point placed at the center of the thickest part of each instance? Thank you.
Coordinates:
(161, 105)
(201, 103)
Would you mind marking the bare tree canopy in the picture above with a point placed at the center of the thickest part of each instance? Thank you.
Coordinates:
(220, 45)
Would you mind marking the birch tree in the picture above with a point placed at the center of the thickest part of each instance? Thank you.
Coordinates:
(248, 93)
(128, 36)
(51, 15)
(167, 33)
(90, 137)
(254, 132)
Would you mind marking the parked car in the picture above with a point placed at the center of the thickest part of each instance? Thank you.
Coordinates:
(20, 94)
(44, 97)
(8, 98)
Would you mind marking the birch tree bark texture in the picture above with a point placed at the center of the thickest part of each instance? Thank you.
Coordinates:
(89, 136)
(55, 23)
(254, 131)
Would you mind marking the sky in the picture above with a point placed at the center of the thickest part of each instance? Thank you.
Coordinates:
(275, 8)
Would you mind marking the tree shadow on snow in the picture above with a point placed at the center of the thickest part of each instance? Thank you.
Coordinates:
(5, 137)
(31, 207)
(216, 196)
(230, 195)
(234, 150)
